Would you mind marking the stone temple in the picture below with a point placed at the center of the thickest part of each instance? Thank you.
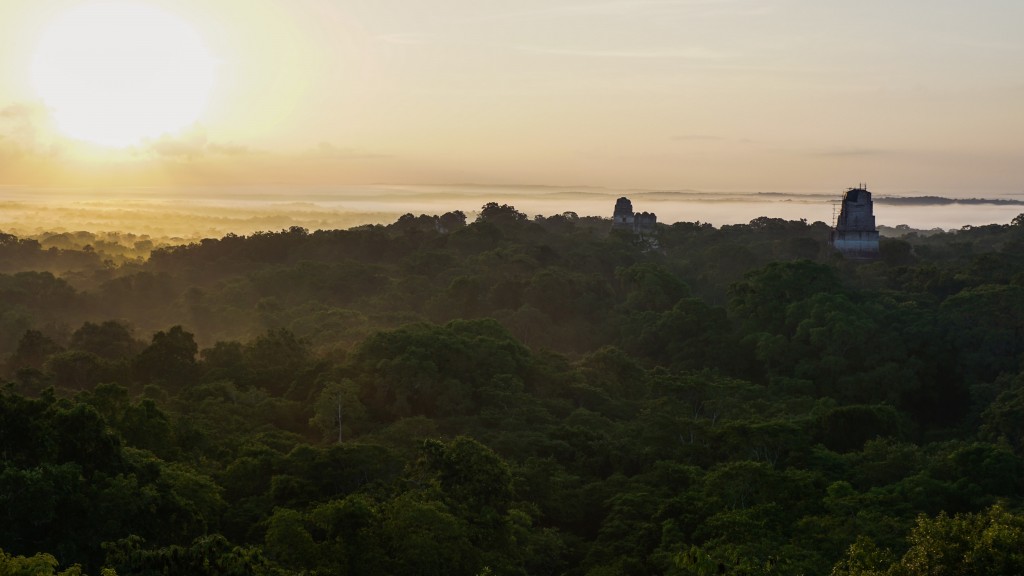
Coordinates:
(625, 219)
(854, 234)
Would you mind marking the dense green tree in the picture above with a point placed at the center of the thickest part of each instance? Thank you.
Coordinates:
(988, 323)
(452, 221)
(169, 359)
(651, 287)
(278, 362)
(109, 340)
(205, 556)
(41, 564)
(989, 542)
(32, 351)
(338, 410)
(500, 214)
(1004, 418)
(761, 300)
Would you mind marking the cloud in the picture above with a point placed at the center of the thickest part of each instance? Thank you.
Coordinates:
(26, 130)
(404, 39)
(20, 111)
(694, 137)
(184, 148)
(607, 9)
(22, 121)
(943, 201)
(692, 53)
(32, 153)
(230, 149)
(193, 145)
(848, 152)
(616, 8)
(327, 150)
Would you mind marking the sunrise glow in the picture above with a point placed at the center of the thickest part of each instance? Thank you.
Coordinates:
(709, 95)
(117, 73)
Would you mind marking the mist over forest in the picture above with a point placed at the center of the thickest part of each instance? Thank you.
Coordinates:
(490, 391)
(178, 216)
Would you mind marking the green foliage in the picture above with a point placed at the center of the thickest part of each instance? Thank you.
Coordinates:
(500, 214)
(1004, 418)
(109, 340)
(514, 396)
(761, 300)
(847, 428)
(986, 321)
(170, 359)
(989, 542)
(651, 287)
(33, 350)
(205, 556)
(437, 371)
(472, 476)
(40, 564)
(864, 558)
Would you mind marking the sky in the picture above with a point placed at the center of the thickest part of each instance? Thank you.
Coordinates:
(908, 96)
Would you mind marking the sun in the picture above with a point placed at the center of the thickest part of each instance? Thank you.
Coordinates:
(118, 73)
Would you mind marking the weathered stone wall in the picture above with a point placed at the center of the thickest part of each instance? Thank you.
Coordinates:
(857, 212)
(623, 217)
(646, 221)
(855, 235)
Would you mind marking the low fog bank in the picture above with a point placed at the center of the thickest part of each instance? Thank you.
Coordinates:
(163, 216)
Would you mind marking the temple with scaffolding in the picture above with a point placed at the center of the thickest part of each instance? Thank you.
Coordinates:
(853, 232)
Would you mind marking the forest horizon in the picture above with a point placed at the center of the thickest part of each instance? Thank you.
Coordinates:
(189, 214)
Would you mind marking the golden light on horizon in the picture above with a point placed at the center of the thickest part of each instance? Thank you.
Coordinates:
(117, 73)
(680, 95)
